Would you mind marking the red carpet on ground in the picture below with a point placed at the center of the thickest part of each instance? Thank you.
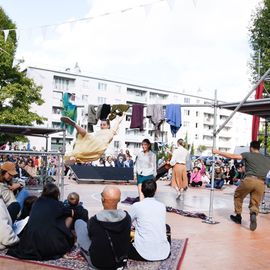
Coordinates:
(74, 260)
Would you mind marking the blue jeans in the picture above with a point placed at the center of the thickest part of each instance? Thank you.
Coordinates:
(218, 183)
(83, 240)
(22, 195)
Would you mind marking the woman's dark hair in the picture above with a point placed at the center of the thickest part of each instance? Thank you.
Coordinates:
(50, 190)
(149, 188)
(147, 142)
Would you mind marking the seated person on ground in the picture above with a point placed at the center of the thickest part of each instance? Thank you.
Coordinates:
(149, 218)
(12, 190)
(196, 177)
(89, 147)
(7, 235)
(107, 233)
(73, 202)
(47, 235)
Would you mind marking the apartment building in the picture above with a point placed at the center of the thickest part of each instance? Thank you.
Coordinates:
(197, 122)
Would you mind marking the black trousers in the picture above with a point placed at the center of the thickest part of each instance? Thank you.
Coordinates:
(196, 184)
(14, 209)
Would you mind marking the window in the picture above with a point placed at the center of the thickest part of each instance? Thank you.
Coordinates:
(85, 84)
(116, 144)
(102, 86)
(198, 101)
(101, 100)
(56, 110)
(186, 124)
(196, 125)
(186, 100)
(186, 112)
(63, 84)
(56, 124)
(196, 136)
(85, 98)
(57, 95)
(197, 113)
(118, 88)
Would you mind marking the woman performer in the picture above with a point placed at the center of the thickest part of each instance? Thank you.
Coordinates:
(89, 147)
(145, 165)
(178, 161)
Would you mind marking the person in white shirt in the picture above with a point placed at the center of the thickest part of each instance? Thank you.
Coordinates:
(149, 218)
(178, 162)
(145, 165)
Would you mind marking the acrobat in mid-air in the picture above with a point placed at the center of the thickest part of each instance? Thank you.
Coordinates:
(88, 146)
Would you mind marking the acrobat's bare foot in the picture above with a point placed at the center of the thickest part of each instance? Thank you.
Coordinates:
(68, 121)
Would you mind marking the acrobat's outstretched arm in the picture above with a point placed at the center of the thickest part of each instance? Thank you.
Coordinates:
(118, 122)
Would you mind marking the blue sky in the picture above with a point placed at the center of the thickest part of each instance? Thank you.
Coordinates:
(190, 47)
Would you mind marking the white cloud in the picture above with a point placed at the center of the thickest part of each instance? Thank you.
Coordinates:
(188, 47)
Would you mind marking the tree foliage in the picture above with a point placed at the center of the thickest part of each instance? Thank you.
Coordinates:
(260, 41)
(17, 92)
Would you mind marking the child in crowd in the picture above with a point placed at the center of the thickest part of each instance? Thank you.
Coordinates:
(73, 202)
(195, 178)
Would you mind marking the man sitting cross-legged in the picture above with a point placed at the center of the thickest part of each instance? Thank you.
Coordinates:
(105, 239)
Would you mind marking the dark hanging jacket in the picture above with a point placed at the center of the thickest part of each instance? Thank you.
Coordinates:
(46, 235)
(101, 253)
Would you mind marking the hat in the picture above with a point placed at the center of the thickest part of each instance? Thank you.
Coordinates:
(9, 167)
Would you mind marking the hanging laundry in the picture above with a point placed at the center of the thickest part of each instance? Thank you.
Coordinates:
(173, 117)
(92, 115)
(99, 108)
(105, 111)
(118, 109)
(69, 110)
(137, 116)
(156, 114)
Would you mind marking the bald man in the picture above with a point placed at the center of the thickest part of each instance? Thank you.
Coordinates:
(104, 240)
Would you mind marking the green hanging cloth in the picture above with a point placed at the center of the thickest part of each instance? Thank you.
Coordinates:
(69, 110)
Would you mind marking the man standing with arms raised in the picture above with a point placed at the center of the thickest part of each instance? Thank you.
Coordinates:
(256, 168)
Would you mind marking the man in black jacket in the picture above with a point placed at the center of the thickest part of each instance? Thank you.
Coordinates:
(105, 239)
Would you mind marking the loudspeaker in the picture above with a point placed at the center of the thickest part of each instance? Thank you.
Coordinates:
(85, 173)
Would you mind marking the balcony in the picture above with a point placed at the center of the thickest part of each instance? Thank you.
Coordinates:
(136, 98)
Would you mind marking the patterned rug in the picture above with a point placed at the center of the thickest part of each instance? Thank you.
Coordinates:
(74, 260)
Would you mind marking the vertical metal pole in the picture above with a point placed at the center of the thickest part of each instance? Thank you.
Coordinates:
(265, 136)
(210, 218)
(63, 166)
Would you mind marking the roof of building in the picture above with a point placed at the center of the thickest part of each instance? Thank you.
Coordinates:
(29, 130)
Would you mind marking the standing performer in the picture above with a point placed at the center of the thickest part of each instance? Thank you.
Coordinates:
(89, 147)
(145, 166)
(256, 166)
(179, 175)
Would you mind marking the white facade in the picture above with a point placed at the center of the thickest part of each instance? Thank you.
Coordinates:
(197, 122)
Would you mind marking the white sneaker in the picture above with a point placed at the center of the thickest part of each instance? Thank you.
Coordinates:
(178, 195)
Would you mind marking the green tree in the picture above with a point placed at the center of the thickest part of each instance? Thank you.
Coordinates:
(17, 92)
(260, 42)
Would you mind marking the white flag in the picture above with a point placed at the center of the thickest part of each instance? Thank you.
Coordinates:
(147, 9)
(171, 3)
(6, 32)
